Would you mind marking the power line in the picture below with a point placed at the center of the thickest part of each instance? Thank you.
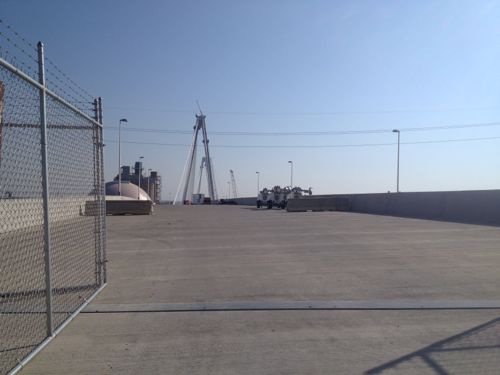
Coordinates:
(315, 146)
(149, 130)
(311, 133)
(326, 113)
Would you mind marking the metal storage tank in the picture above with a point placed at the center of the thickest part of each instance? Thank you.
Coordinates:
(129, 190)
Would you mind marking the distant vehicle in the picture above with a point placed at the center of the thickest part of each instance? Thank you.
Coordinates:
(278, 196)
(262, 197)
(198, 198)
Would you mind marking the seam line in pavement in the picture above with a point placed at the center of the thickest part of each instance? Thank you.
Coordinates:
(296, 305)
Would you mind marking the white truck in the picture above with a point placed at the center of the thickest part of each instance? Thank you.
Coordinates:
(278, 196)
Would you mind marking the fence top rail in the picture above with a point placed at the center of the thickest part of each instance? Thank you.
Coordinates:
(30, 80)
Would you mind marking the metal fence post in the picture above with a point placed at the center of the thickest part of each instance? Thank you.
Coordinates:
(45, 188)
(103, 194)
(97, 201)
(95, 104)
(100, 110)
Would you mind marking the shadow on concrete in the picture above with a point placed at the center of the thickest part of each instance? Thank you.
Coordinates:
(33, 346)
(475, 351)
(252, 208)
(263, 209)
(456, 221)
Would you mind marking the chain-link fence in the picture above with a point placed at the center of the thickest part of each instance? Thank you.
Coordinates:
(52, 211)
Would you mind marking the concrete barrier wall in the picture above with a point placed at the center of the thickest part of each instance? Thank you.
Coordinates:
(475, 206)
(28, 212)
(324, 203)
(129, 207)
(247, 201)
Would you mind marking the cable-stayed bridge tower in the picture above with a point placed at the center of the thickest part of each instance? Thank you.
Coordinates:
(188, 176)
(233, 184)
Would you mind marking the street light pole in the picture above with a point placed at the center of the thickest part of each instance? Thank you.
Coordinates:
(120, 155)
(291, 173)
(140, 172)
(258, 183)
(228, 190)
(397, 173)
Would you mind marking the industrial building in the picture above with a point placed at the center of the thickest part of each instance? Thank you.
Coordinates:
(151, 183)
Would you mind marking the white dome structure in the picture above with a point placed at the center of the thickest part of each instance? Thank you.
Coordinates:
(129, 191)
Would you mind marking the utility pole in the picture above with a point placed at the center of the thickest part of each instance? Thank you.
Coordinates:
(397, 169)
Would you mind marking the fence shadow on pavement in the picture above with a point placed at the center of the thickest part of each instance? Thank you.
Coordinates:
(475, 351)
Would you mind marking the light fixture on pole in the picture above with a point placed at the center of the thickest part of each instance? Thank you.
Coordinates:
(291, 173)
(397, 170)
(120, 155)
(258, 183)
(140, 172)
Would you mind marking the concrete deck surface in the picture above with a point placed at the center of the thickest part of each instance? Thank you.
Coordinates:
(228, 254)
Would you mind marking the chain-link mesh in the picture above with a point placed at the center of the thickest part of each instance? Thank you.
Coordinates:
(73, 192)
(75, 208)
(22, 280)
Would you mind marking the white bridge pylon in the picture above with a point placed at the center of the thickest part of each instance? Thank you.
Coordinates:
(187, 181)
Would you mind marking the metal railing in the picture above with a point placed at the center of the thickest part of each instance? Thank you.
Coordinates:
(52, 212)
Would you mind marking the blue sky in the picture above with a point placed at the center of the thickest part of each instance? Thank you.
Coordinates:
(288, 66)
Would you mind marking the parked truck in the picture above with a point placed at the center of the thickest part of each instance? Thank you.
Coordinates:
(278, 196)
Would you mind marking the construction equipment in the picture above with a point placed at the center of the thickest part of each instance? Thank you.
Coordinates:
(278, 196)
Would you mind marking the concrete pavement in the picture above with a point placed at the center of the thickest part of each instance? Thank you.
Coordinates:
(223, 255)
